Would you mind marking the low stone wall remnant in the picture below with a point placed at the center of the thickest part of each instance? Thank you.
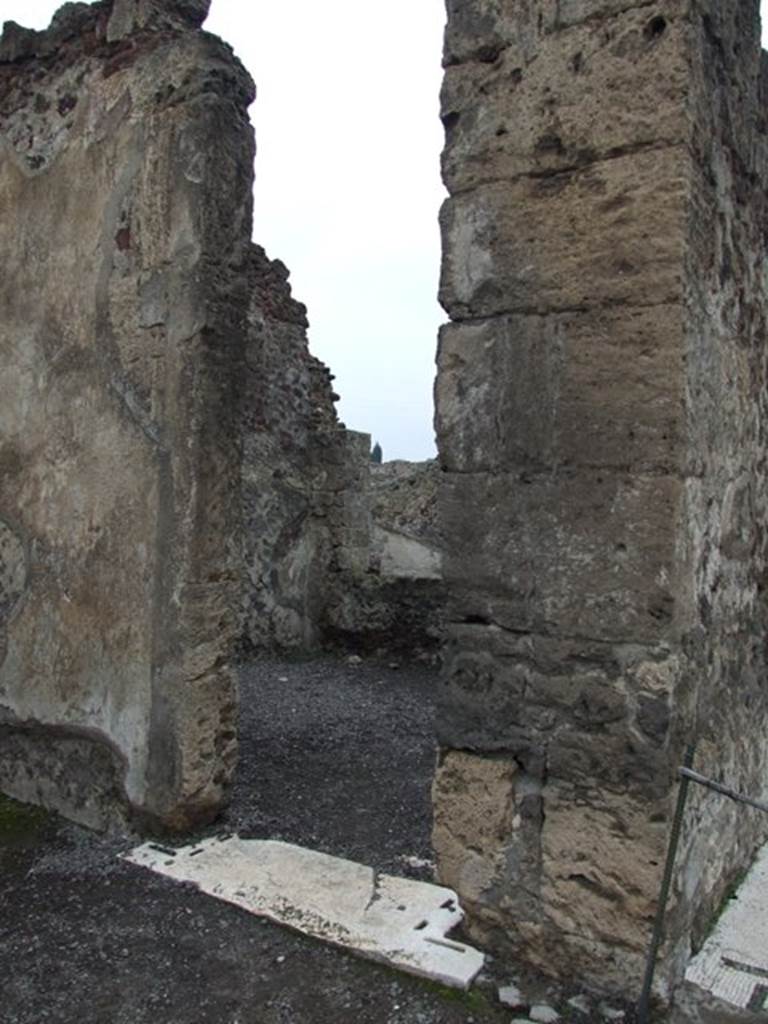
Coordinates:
(391, 598)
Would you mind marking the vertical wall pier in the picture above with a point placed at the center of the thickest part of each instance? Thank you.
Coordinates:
(126, 166)
(601, 417)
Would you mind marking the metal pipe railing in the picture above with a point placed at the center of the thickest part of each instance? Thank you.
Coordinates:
(687, 776)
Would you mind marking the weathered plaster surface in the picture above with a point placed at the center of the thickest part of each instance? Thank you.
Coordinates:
(125, 175)
(600, 400)
(174, 476)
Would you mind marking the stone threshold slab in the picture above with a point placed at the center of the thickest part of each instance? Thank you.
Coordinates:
(392, 920)
(733, 963)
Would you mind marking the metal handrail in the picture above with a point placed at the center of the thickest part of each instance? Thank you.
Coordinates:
(687, 775)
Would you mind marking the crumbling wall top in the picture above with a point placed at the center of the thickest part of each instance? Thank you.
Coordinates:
(48, 77)
(129, 16)
(107, 21)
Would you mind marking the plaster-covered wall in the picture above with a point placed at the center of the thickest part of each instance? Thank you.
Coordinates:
(173, 476)
(125, 177)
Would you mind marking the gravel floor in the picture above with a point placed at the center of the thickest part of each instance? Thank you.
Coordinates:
(335, 756)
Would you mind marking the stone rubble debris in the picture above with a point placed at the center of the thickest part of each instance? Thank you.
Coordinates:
(610, 1013)
(511, 996)
(543, 1014)
(581, 1004)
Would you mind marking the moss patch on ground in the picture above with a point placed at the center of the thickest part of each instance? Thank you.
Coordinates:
(20, 823)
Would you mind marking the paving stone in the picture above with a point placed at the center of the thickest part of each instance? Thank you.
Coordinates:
(733, 963)
(395, 920)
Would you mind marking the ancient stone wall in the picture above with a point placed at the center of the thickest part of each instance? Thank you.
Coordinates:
(599, 402)
(406, 533)
(339, 551)
(173, 476)
(726, 488)
(296, 463)
(392, 596)
(125, 216)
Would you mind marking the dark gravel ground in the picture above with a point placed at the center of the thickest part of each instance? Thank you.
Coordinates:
(334, 756)
(338, 757)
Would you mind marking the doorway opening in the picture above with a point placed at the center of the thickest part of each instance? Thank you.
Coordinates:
(337, 750)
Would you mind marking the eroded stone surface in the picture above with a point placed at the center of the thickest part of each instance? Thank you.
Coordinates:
(554, 101)
(600, 401)
(475, 813)
(297, 461)
(128, 168)
(129, 16)
(13, 571)
(567, 376)
(570, 241)
(388, 592)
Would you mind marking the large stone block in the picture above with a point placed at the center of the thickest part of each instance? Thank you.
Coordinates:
(575, 873)
(481, 30)
(591, 555)
(591, 93)
(608, 234)
(602, 858)
(475, 812)
(604, 388)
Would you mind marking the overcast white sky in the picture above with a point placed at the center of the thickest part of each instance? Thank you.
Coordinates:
(348, 187)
